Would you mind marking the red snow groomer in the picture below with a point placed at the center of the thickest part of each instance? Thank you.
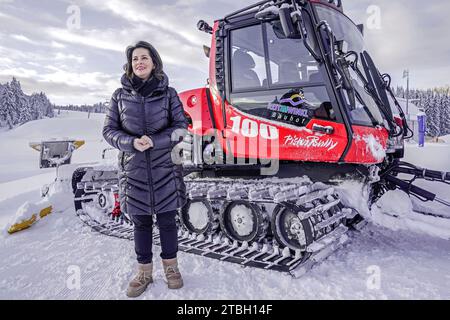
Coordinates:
(294, 106)
(292, 92)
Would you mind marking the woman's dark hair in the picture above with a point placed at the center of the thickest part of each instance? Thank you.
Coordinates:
(157, 72)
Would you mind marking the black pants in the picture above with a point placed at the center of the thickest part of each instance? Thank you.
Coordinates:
(143, 236)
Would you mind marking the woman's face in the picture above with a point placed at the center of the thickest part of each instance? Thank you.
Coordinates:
(142, 63)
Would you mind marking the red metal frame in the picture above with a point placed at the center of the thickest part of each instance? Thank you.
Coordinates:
(247, 136)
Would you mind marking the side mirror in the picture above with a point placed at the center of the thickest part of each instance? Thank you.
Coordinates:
(286, 22)
(204, 26)
(207, 51)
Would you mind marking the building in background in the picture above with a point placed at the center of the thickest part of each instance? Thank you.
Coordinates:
(411, 117)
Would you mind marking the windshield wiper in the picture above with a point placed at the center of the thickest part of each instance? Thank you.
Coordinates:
(340, 64)
(367, 87)
(352, 87)
(363, 103)
(406, 130)
(380, 84)
(393, 127)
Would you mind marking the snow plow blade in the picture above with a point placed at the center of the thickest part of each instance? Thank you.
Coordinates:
(54, 153)
(25, 224)
(38, 145)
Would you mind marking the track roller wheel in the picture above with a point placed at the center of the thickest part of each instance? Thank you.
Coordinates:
(198, 217)
(243, 221)
(289, 230)
(105, 201)
(77, 176)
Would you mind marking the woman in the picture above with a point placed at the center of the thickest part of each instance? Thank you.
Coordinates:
(139, 122)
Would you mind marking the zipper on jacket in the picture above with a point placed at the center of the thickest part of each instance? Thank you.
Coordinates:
(149, 161)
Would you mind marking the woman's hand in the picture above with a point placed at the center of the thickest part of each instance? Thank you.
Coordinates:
(143, 143)
(148, 140)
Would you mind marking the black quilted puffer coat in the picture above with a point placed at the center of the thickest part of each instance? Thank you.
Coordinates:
(149, 182)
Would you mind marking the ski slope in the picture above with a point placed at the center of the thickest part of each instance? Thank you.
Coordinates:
(43, 261)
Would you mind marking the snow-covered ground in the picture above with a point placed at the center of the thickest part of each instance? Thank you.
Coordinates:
(44, 261)
(446, 138)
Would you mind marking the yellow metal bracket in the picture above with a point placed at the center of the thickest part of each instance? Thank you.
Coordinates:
(25, 224)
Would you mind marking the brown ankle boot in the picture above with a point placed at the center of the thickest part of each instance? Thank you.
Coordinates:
(173, 275)
(141, 281)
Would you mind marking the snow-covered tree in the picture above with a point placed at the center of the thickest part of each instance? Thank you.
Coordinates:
(400, 92)
(8, 111)
(22, 106)
(433, 114)
(46, 106)
(436, 104)
(96, 108)
(2, 108)
(445, 104)
(17, 108)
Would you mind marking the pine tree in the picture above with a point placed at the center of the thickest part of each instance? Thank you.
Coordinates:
(2, 108)
(446, 114)
(433, 114)
(35, 107)
(400, 92)
(17, 108)
(442, 114)
(22, 109)
(47, 107)
(13, 107)
(426, 105)
(436, 104)
(8, 112)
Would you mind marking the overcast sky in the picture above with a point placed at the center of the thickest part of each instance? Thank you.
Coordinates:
(42, 46)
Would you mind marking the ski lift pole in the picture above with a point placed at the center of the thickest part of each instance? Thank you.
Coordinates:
(406, 75)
